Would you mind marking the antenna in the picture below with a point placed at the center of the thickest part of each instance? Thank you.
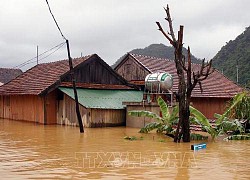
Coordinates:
(237, 72)
(37, 54)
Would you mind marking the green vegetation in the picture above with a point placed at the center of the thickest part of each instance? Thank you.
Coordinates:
(162, 51)
(159, 51)
(132, 138)
(195, 136)
(233, 53)
(223, 123)
(242, 109)
(238, 137)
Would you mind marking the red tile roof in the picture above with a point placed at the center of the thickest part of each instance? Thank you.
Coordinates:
(216, 85)
(39, 78)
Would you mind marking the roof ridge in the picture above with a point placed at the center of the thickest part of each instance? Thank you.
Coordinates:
(8, 68)
(150, 57)
(227, 78)
(76, 58)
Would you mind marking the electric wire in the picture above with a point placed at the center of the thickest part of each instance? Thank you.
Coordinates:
(34, 59)
(55, 20)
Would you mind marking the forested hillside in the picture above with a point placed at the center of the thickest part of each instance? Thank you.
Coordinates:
(159, 51)
(236, 52)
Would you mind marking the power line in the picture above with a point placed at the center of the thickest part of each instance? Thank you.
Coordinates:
(34, 59)
(55, 20)
(72, 76)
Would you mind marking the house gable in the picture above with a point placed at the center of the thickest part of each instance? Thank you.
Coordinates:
(95, 71)
(45, 78)
(131, 69)
(216, 85)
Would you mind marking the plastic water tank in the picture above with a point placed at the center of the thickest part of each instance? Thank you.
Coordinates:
(158, 82)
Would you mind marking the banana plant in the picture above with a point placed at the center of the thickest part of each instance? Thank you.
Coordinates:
(198, 118)
(223, 124)
(162, 123)
(236, 101)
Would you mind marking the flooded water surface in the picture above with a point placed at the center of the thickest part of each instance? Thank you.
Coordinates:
(30, 151)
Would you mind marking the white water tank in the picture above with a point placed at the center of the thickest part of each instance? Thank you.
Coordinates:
(158, 82)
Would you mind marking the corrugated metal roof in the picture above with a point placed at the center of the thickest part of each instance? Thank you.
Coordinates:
(104, 99)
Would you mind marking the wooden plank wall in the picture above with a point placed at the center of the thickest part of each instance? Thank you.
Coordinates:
(66, 112)
(107, 117)
(1, 107)
(66, 115)
(94, 72)
(209, 106)
(131, 70)
(13, 107)
(51, 108)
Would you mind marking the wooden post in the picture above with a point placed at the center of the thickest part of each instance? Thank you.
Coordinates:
(75, 91)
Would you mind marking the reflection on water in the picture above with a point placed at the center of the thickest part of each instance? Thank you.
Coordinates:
(29, 151)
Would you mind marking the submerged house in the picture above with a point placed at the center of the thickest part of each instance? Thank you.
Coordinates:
(7, 74)
(217, 89)
(44, 94)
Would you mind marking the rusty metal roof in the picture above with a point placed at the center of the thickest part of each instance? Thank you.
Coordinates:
(104, 98)
(216, 85)
(39, 78)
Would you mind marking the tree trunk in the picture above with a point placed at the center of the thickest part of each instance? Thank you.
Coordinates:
(185, 87)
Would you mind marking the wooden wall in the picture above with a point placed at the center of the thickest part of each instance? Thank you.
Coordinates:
(95, 72)
(132, 70)
(107, 117)
(31, 108)
(51, 108)
(209, 106)
(66, 112)
(66, 115)
(24, 107)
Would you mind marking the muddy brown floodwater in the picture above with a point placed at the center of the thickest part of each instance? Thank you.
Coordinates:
(30, 151)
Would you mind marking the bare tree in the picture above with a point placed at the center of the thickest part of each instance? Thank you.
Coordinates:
(186, 84)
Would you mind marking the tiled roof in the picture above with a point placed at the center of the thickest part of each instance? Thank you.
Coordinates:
(216, 85)
(7, 74)
(39, 78)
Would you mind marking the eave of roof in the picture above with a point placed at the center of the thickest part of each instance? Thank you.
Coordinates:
(95, 86)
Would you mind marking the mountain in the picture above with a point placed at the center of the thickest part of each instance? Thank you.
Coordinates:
(159, 51)
(162, 51)
(236, 52)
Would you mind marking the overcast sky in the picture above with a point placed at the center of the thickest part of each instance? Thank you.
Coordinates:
(111, 28)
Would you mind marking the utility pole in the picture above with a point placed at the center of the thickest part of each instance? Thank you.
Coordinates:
(237, 72)
(78, 114)
(37, 54)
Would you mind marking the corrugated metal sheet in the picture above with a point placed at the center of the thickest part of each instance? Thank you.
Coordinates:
(104, 99)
